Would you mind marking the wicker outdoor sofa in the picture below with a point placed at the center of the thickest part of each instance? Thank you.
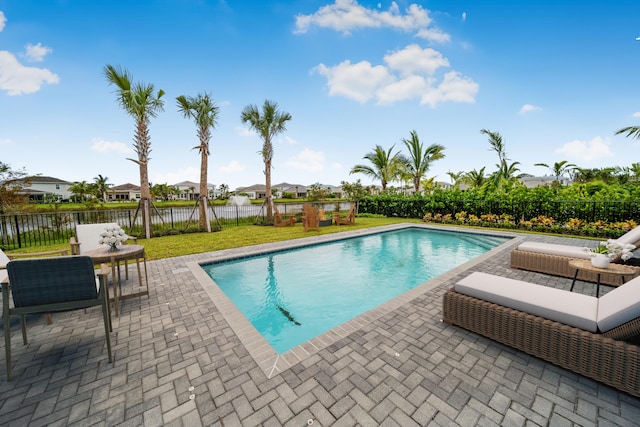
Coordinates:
(567, 334)
(554, 259)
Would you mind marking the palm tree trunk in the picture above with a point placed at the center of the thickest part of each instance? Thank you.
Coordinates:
(204, 193)
(268, 197)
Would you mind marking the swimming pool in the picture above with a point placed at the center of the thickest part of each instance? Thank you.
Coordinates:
(291, 296)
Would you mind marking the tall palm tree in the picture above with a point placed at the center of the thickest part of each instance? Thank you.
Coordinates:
(559, 168)
(142, 103)
(205, 112)
(268, 124)
(506, 173)
(102, 186)
(420, 159)
(384, 166)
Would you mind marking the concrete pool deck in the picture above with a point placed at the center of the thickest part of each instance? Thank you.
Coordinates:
(179, 362)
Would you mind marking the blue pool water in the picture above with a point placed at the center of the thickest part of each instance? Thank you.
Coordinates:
(294, 295)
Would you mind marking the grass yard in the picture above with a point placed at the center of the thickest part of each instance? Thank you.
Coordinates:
(233, 237)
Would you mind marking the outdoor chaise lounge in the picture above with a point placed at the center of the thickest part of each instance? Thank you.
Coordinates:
(554, 259)
(590, 336)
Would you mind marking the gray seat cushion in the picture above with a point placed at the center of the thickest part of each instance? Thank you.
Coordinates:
(566, 307)
(619, 306)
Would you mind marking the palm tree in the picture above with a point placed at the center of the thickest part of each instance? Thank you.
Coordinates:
(456, 178)
(142, 103)
(101, 185)
(80, 189)
(559, 168)
(204, 111)
(506, 173)
(268, 124)
(631, 131)
(475, 178)
(419, 160)
(385, 166)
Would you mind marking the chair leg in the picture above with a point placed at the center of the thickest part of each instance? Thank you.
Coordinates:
(49, 320)
(106, 316)
(7, 330)
(23, 321)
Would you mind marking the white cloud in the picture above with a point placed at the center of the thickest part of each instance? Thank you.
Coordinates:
(37, 52)
(242, 131)
(232, 167)
(528, 108)
(102, 146)
(307, 160)
(409, 74)
(413, 59)
(347, 15)
(454, 88)
(356, 81)
(3, 20)
(17, 79)
(636, 114)
(290, 140)
(187, 174)
(464, 16)
(595, 149)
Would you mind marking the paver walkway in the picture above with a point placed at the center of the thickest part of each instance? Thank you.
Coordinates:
(178, 362)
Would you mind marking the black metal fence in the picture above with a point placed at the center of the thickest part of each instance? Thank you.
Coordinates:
(42, 229)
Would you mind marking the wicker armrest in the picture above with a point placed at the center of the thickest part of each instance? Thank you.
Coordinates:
(75, 246)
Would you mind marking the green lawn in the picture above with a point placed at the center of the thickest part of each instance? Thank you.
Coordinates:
(233, 237)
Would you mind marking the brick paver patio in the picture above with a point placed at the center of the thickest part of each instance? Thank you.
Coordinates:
(180, 362)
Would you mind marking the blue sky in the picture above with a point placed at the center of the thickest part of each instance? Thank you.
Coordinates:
(556, 78)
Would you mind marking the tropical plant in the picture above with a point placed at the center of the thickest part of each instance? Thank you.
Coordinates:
(101, 186)
(80, 190)
(475, 178)
(141, 102)
(506, 173)
(267, 125)
(384, 166)
(420, 159)
(559, 168)
(223, 191)
(631, 131)
(456, 178)
(204, 112)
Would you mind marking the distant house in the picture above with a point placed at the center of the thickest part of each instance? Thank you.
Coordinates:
(256, 191)
(39, 188)
(536, 181)
(124, 192)
(189, 190)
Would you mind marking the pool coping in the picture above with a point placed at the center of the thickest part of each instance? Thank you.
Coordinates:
(271, 362)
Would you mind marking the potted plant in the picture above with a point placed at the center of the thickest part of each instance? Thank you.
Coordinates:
(605, 252)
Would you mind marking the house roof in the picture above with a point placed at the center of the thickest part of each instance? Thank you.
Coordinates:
(45, 180)
(125, 187)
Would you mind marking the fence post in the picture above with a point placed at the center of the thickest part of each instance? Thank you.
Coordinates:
(237, 216)
(15, 217)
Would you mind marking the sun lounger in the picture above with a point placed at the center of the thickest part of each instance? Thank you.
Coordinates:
(587, 335)
(554, 259)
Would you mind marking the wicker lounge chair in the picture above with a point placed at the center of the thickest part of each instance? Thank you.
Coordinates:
(350, 219)
(567, 332)
(52, 284)
(554, 259)
(278, 221)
